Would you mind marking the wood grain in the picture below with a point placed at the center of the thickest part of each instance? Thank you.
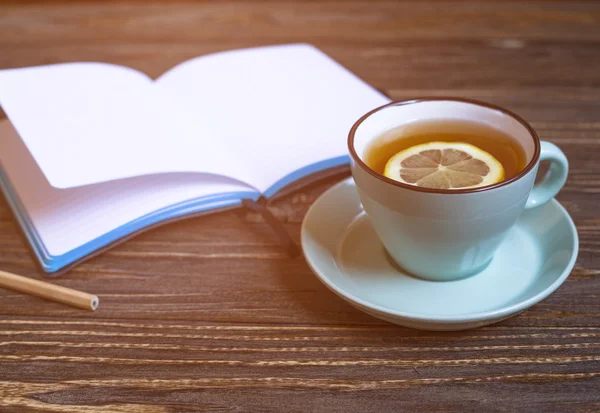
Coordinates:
(210, 314)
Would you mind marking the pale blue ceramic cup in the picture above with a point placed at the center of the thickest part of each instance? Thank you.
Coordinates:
(442, 234)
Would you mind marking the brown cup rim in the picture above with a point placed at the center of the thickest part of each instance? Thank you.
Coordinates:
(524, 171)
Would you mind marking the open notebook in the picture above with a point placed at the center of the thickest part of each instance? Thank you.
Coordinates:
(94, 152)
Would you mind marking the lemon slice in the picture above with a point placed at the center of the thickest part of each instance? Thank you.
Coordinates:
(445, 165)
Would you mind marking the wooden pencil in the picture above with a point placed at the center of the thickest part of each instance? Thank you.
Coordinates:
(48, 291)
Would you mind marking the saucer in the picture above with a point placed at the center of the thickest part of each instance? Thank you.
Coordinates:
(343, 250)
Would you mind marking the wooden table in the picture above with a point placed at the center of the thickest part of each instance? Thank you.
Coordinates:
(210, 314)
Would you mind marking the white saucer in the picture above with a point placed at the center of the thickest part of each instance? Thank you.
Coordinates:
(343, 250)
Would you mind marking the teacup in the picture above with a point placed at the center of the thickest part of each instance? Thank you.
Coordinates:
(446, 234)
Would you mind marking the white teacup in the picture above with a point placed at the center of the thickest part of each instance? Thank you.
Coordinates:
(442, 234)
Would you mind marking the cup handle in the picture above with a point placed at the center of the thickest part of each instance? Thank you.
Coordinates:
(555, 178)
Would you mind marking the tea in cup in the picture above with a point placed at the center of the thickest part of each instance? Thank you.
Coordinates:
(444, 179)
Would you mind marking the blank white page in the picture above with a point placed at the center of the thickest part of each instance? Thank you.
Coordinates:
(255, 115)
(86, 123)
(68, 218)
(276, 109)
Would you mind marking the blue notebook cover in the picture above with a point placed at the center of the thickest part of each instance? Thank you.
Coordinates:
(54, 263)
